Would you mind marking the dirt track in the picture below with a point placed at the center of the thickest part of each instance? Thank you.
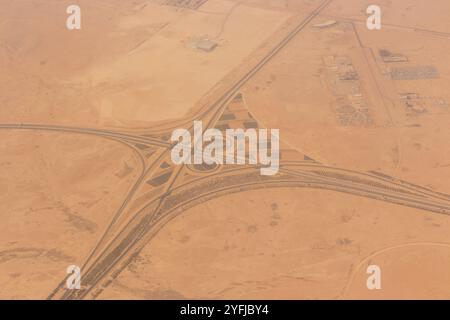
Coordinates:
(364, 142)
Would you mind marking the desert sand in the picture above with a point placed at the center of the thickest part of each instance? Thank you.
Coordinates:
(87, 178)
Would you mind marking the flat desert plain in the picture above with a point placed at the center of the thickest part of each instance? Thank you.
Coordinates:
(360, 205)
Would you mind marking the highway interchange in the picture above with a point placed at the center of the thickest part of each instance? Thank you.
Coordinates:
(163, 191)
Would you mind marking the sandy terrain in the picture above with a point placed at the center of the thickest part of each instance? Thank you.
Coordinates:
(87, 178)
(308, 247)
(293, 92)
(57, 193)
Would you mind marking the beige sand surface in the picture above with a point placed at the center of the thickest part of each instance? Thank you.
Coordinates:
(298, 244)
(86, 176)
(57, 194)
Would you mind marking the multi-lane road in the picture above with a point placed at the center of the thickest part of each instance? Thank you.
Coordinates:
(163, 191)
